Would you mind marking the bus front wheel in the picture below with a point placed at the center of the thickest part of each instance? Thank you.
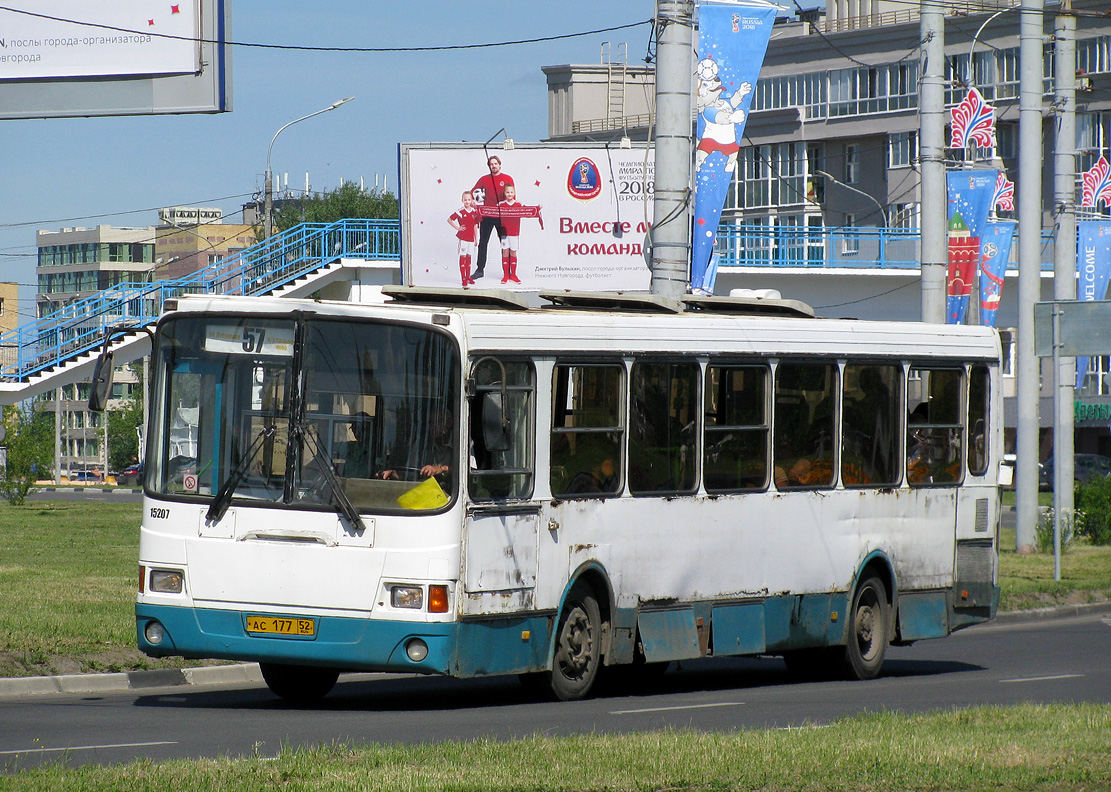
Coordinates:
(302, 684)
(869, 625)
(578, 646)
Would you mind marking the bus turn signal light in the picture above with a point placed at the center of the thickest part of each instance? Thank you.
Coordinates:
(437, 599)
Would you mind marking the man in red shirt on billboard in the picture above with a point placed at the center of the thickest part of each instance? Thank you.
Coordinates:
(489, 191)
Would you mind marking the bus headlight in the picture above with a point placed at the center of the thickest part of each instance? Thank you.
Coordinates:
(407, 597)
(154, 633)
(167, 581)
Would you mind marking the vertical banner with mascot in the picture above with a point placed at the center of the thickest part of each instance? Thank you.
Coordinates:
(971, 194)
(532, 217)
(1093, 265)
(995, 251)
(732, 40)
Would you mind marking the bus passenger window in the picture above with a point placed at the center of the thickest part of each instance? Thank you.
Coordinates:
(662, 427)
(735, 457)
(586, 442)
(804, 424)
(870, 426)
(503, 474)
(978, 401)
(934, 430)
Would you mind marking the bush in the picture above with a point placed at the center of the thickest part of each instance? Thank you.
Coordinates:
(1070, 527)
(1094, 499)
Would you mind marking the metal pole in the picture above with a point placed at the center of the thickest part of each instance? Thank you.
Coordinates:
(931, 138)
(1059, 479)
(670, 235)
(1064, 264)
(57, 435)
(1029, 269)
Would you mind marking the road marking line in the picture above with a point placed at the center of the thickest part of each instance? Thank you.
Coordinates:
(89, 747)
(1043, 678)
(672, 709)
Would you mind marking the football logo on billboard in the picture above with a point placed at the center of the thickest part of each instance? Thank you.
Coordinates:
(583, 180)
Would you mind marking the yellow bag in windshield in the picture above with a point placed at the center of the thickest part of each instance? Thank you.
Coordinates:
(426, 495)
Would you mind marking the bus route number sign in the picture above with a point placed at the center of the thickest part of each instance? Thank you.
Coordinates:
(281, 625)
(249, 340)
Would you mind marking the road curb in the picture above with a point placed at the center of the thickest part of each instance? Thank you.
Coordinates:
(131, 680)
(249, 673)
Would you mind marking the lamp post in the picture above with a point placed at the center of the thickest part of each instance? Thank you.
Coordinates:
(870, 197)
(268, 218)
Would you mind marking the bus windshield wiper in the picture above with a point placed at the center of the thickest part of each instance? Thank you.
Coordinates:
(342, 503)
(223, 498)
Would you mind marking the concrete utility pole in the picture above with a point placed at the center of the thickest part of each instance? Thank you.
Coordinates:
(1064, 257)
(1031, 13)
(671, 211)
(931, 147)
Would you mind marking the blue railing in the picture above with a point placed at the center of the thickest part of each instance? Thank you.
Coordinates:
(825, 248)
(79, 327)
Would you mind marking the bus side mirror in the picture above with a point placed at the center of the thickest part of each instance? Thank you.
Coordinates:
(102, 382)
(495, 428)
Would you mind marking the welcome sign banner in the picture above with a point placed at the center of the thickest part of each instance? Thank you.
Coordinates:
(1093, 264)
(995, 252)
(971, 194)
(732, 40)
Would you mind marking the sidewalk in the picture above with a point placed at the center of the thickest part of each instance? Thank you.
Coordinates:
(242, 673)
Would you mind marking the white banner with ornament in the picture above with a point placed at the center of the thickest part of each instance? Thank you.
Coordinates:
(577, 216)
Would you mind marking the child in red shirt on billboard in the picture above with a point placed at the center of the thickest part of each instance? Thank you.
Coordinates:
(510, 213)
(465, 221)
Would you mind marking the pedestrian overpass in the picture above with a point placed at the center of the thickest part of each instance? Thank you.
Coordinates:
(61, 348)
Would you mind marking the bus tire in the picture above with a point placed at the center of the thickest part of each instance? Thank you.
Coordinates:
(869, 626)
(301, 684)
(578, 649)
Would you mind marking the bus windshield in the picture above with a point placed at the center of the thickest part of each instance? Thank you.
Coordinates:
(305, 411)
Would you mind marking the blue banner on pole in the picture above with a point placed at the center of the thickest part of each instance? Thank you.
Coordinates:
(1093, 264)
(732, 40)
(995, 252)
(970, 198)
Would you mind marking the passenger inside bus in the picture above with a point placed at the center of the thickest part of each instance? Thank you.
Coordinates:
(357, 462)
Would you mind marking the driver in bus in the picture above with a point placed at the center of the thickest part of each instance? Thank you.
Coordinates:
(442, 450)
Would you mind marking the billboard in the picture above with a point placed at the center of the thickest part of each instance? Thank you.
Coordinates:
(74, 58)
(75, 38)
(536, 216)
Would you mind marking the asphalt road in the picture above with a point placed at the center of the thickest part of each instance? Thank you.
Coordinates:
(1056, 660)
(87, 493)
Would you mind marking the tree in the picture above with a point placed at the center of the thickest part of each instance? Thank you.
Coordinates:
(30, 444)
(347, 201)
(123, 440)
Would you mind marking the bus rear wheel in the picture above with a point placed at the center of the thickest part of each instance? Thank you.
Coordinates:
(578, 648)
(869, 625)
(301, 684)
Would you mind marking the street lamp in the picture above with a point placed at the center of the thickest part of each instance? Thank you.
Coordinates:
(883, 213)
(268, 218)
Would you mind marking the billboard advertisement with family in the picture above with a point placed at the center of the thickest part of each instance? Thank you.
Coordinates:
(527, 218)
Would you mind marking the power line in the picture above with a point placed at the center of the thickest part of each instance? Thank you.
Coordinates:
(121, 214)
(304, 48)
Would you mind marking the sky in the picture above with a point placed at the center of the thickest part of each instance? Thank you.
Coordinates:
(57, 173)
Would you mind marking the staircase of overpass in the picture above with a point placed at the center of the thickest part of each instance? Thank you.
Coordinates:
(61, 347)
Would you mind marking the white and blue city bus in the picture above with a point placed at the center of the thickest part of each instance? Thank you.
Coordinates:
(457, 483)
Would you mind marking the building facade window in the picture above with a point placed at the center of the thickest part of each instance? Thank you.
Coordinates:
(902, 149)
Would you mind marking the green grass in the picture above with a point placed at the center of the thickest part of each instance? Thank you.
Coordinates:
(1056, 748)
(68, 578)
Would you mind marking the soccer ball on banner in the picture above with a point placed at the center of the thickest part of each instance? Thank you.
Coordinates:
(707, 70)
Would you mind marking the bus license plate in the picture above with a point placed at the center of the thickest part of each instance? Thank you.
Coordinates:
(281, 625)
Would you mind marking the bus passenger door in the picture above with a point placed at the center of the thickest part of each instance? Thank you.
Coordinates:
(499, 567)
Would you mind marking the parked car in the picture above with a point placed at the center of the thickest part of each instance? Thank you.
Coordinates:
(1085, 468)
(132, 475)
